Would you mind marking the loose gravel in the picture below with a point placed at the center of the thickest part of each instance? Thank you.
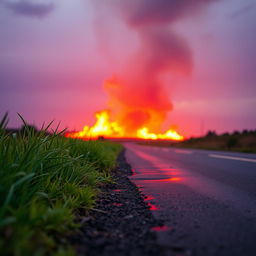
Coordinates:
(121, 223)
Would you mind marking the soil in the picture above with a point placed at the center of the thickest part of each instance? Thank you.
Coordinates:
(121, 223)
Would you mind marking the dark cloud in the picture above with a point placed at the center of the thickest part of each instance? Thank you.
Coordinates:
(164, 50)
(153, 12)
(29, 8)
(153, 20)
(244, 10)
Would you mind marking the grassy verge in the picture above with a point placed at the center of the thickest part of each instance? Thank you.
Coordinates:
(45, 179)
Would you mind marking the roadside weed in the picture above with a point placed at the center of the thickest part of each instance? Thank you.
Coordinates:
(44, 178)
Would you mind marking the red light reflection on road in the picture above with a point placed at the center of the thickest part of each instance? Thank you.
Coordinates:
(117, 204)
(133, 172)
(172, 179)
(118, 190)
(153, 207)
(156, 169)
(148, 198)
(160, 228)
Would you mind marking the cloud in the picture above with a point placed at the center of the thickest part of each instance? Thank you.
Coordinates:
(159, 12)
(29, 8)
(243, 10)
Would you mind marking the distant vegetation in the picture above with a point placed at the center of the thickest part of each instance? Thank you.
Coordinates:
(46, 180)
(244, 141)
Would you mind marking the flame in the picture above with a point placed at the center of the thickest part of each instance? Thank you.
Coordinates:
(137, 111)
(103, 127)
(170, 134)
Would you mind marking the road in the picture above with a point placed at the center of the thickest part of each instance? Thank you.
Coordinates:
(206, 198)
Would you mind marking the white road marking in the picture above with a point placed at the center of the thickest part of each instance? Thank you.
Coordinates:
(233, 158)
(180, 151)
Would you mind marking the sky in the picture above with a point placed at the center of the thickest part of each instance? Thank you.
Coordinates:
(198, 57)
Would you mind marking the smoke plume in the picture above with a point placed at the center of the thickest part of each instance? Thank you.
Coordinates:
(138, 98)
(29, 8)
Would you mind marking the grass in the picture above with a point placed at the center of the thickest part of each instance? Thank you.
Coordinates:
(45, 179)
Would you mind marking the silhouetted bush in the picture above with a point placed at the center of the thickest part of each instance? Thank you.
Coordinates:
(236, 133)
(245, 132)
(232, 142)
(211, 134)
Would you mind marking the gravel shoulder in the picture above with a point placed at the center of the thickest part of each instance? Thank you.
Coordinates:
(121, 223)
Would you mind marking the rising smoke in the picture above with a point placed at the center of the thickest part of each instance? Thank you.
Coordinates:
(137, 94)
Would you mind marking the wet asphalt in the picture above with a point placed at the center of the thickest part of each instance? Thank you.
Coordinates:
(207, 199)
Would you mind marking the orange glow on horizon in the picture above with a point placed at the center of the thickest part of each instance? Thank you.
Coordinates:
(170, 134)
(103, 127)
(134, 112)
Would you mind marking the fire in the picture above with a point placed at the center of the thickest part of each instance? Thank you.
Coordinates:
(170, 134)
(137, 107)
(102, 127)
(106, 128)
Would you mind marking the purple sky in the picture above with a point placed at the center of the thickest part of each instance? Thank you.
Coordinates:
(55, 56)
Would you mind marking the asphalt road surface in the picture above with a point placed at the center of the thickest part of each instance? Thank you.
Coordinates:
(206, 198)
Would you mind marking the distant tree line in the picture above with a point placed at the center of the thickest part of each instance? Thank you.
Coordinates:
(212, 133)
